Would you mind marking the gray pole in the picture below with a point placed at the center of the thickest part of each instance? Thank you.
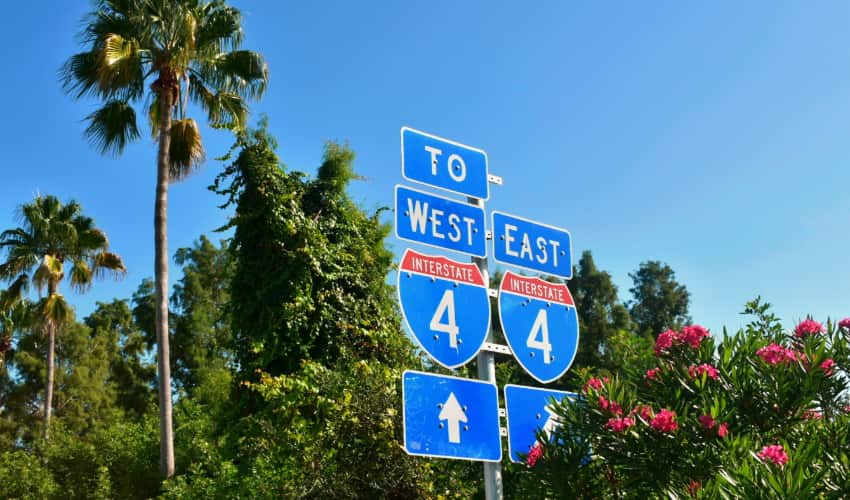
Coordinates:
(487, 371)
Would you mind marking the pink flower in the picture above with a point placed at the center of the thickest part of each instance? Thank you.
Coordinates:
(593, 383)
(698, 371)
(693, 335)
(620, 424)
(844, 323)
(653, 374)
(773, 354)
(827, 366)
(808, 327)
(610, 406)
(707, 421)
(534, 455)
(812, 415)
(665, 341)
(665, 421)
(775, 454)
(694, 487)
(723, 429)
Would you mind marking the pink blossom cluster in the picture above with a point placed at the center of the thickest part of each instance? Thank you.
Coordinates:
(808, 327)
(773, 354)
(827, 366)
(664, 421)
(653, 374)
(690, 335)
(844, 323)
(697, 371)
(812, 415)
(620, 424)
(645, 412)
(774, 454)
(610, 406)
(595, 383)
(709, 423)
(534, 455)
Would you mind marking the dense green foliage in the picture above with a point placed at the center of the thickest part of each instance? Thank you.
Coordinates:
(659, 301)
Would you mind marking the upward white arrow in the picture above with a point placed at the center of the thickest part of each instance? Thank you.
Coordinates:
(453, 413)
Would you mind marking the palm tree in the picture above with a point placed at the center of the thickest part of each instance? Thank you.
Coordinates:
(51, 235)
(188, 52)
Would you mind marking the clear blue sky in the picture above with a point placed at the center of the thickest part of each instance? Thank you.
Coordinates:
(713, 136)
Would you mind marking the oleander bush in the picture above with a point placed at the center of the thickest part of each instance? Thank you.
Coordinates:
(762, 413)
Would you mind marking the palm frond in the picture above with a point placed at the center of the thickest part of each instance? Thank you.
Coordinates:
(224, 109)
(90, 239)
(81, 276)
(17, 264)
(219, 29)
(49, 271)
(187, 150)
(112, 127)
(242, 72)
(15, 292)
(53, 310)
(120, 69)
(108, 263)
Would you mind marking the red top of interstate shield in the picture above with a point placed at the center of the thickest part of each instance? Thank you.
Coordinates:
(441, 267)
(536, 288)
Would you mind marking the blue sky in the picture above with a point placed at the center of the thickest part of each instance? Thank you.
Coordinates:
(712, 136)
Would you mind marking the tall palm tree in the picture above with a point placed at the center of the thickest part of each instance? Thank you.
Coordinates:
(186, 52)
(52, 234)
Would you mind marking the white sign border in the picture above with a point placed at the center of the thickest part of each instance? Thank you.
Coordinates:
(493, 228)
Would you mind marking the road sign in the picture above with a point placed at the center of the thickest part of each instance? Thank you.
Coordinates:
(439, 222)
(528, 411)
(532, 245)
(445, 304)
(445, 164)
(540, 324)
(450, 417)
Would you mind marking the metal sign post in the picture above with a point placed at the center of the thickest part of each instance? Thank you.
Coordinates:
(487, 371)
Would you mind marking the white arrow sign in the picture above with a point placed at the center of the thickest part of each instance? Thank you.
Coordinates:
(453, 412)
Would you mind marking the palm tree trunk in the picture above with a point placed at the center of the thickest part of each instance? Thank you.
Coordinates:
(166, 436)
(51, 367)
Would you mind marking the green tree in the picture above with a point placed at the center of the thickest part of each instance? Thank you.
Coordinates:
(600, 313)
(131, 377)
(202, 338)
(52, 234)
(659, 301)
(183, 51)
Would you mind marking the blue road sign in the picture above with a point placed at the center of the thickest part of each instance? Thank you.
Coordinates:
(450, 417)
(528, 412)
(445, 164)
(532, 245)
(540, 324)
(439, 222)
(446, 305)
